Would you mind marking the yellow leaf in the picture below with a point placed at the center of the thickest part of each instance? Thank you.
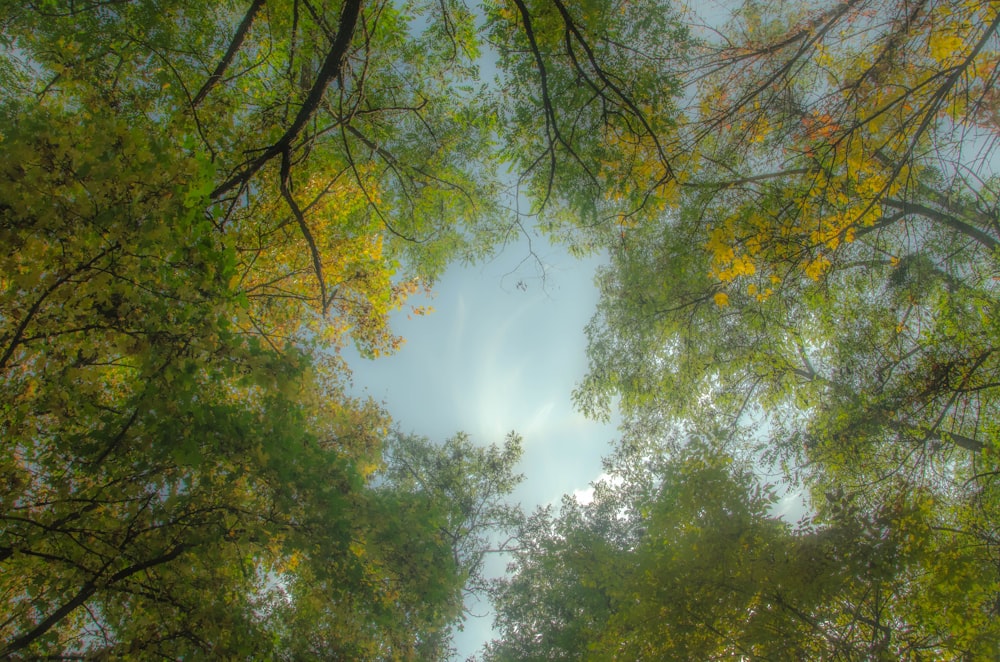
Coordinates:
(944, 47)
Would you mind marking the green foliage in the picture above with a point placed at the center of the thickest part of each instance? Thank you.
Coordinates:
(183, 473)
(679, 557)
(586, 106)
(202, 203)
(470, 482)
(822, 287)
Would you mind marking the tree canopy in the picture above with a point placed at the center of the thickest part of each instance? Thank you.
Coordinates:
(679, 557)
(202, 204)
(823, 290)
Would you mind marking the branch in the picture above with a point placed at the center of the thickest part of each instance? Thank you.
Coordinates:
(332, 69)
(945, 219)
(84, 594)
(625, 99)
(960, 440)
(18, 335)
(227, 59)
(300, 219)
(812, 34)
(931, 112)
(741, 181)
(551, 128)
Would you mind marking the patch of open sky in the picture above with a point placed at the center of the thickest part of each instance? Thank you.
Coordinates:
(502, 351)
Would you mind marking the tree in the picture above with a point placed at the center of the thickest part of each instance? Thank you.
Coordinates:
(195, 215)
(824, 286)
(433, 512)
(198, 212)
(330, 152)
(470, 482)
(678, 557)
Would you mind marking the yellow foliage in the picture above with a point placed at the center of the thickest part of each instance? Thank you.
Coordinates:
(817, 267)
(946, 49)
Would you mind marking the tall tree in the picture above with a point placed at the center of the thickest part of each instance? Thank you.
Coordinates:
(679, 557)
(433, 513)
(195, 215)
(824, 286)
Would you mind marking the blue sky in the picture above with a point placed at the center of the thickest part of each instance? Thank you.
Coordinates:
(495, 357)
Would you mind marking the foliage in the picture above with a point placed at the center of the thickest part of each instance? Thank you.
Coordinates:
(199, 205)
(824, 289)
(679, 557)
(825, 286)
(432, 514)
(202, 203)
(586, 103)
(468, 481)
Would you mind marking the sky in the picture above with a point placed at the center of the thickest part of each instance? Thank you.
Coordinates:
(502, 351)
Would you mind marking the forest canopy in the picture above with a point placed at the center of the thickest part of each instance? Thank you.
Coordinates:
(203, 204)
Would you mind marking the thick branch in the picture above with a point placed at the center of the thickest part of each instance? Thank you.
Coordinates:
(332, 69)
(938, 98)
(753, 179)
(84, 594)
(945, 219)
(960, 440)
(227, 59)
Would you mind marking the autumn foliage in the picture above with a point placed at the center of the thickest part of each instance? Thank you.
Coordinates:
(202, 204)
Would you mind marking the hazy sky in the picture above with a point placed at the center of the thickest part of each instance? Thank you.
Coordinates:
(495, 357)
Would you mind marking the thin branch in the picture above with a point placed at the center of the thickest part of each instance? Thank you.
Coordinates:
(18, 334)
(551, 128)
(306, 233)
(85, 593)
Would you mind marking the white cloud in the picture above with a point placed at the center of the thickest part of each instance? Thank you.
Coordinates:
(584, 497)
